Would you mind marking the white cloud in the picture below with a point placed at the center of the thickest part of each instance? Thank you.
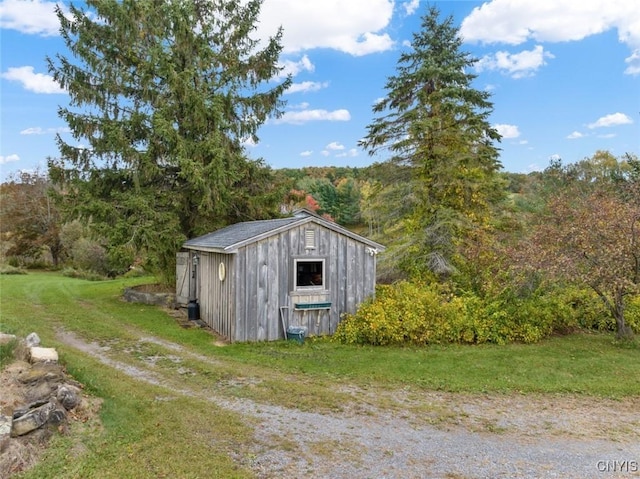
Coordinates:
(334, 146)
(299, 117)
(507, 131)
(515, 22)
(608, 135)
(518, 65)
(300, 106)
(353, 27)
(411, 6)
(634, 63)
(306, 153)
(33, 131)
(306, 86)
(41, 131)
(613, 119)
(35, 82)
(35, 17)
(8, 159)
(249, 142)
(293, 68)
(575, 135)
(348, 154)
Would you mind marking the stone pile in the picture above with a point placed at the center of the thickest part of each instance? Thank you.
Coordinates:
(47, 394)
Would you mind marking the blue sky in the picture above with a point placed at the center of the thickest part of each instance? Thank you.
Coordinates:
(564, 77)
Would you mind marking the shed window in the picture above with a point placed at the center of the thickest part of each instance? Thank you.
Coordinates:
(310, 274)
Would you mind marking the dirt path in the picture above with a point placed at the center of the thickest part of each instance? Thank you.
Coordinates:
(408, 434)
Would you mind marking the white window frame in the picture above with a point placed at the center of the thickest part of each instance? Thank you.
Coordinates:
(296, 286)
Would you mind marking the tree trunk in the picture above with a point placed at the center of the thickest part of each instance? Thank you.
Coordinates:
(623, 330)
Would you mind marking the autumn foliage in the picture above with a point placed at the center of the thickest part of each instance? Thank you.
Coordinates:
(592, 238)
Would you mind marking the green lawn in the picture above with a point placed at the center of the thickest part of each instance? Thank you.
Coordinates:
(132, 441)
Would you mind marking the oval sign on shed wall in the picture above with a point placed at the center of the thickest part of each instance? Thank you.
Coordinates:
(222, 273)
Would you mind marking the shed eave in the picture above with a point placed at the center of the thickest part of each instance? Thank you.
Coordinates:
(208, 249)
(233, 248)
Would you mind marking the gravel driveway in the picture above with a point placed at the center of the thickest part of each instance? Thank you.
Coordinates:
(428, 434)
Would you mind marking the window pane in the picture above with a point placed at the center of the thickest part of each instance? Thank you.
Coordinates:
(309, 273)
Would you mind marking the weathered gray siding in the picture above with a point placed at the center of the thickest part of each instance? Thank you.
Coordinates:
(259, 281)
(215, 296)
(257, 293)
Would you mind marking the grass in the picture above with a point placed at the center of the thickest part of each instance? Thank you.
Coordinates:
(7, 352)
(593, 364)
(149, 432)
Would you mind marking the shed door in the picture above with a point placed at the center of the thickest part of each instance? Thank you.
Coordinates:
(182, 278)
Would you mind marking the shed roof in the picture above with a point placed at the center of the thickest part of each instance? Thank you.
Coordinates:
(229, 239)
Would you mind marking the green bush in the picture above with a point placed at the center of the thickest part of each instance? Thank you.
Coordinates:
(90, 255)
(405, 313)
(83, 274)
(8, 269)
(412, 313)
(632, 313)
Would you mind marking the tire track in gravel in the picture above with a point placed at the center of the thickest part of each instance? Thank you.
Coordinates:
(387, 443)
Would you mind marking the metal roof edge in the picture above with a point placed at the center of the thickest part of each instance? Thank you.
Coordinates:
(266, 234)
(207, 249)
(233, 248)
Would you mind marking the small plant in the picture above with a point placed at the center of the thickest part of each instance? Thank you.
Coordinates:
(81, 274)
(8, 269)
(7, 352)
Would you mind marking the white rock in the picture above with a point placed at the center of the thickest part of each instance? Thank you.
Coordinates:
(32, 340)
(43, 355)
(5, 425)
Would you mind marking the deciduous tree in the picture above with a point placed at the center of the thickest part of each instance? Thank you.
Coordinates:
(592, 238)
(29, 219)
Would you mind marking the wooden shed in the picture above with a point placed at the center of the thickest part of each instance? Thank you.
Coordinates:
(254, 280)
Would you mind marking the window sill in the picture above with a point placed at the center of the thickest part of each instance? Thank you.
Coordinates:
(312, 306)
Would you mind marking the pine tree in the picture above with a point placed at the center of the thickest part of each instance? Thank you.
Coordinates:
(434, 123)
(163, 95)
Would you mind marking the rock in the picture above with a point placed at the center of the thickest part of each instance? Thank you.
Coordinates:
(43, 355)
(32, 340)
(40, 372)
(68, 396)
(134, 295)
(6, 338)
(19, 412)
(32, 420)
(45, 395)
(42, 381)
(58, 415)
(5, 425)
